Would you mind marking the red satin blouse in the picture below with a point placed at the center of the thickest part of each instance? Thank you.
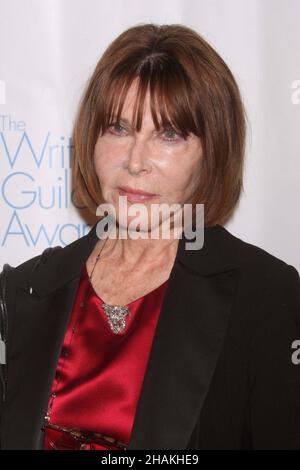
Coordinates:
(99, 373)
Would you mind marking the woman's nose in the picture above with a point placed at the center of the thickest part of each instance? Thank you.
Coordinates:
(138, 156)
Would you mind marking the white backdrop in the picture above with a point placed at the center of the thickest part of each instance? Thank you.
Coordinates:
(49, 48)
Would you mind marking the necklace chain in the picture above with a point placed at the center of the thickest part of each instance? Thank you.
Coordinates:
(116, 314)
(97, 259)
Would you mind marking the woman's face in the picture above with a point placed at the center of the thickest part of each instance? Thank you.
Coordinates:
(158, 162)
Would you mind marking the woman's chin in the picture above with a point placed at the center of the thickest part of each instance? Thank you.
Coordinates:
(136, 227)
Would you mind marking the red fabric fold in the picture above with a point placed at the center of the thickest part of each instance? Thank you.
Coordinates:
(99, 373)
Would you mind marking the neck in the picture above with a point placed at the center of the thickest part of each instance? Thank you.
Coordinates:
(129, 251)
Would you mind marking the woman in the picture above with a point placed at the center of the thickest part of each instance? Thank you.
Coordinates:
(155, 346)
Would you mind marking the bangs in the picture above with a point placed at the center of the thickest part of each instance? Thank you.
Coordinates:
(172, 98)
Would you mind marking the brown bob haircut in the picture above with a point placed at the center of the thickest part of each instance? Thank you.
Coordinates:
(193, 91)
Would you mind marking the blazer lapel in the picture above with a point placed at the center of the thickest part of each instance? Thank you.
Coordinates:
(184, 354)
(185, 350)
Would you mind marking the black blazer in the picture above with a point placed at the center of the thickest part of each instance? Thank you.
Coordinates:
(220, 373)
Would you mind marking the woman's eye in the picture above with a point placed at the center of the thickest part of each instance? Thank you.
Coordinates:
(117, 128)
(172, 135)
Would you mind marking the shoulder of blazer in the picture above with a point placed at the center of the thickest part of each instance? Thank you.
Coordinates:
(26, 269)
(55, 267)
(223, 251)
(6, 272)
(8, 278)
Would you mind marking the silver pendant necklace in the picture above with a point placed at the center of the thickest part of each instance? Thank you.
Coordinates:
(116, 314)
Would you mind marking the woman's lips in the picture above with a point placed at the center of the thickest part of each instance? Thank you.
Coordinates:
(135, 195)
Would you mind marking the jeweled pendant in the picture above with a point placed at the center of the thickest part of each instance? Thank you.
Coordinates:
(116, 315)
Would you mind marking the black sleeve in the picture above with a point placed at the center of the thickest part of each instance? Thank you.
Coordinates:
(4, 274)
(275, 366)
